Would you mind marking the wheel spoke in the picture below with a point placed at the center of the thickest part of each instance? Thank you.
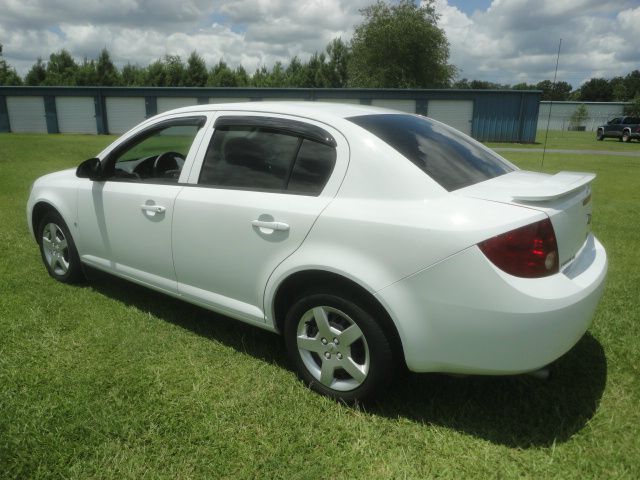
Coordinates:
(355, 370)
(47, 245)
(310, 344)
(326, 374)
(52, 232)
(322, 321)
(350, 335)
(63, 244)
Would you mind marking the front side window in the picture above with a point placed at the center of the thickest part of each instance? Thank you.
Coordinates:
(266, 159)
(448, 157)
(155, 155)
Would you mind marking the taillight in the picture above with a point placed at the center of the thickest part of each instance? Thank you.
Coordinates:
(530, 251)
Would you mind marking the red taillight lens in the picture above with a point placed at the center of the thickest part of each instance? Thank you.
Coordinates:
(530, 251)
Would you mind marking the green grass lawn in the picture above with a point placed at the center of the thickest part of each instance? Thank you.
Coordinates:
(574, 141)
(111, 380)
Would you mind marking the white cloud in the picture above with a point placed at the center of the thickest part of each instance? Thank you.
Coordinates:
(517, 40)
(508, 42)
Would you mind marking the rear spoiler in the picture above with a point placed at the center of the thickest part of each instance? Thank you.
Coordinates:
(560, 184)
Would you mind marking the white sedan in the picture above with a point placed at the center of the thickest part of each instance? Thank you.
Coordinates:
(373, 240)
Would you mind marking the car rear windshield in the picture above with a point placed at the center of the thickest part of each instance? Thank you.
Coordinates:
(447, 156)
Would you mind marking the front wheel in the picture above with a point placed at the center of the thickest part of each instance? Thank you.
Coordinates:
(337, 347)
(58, 250)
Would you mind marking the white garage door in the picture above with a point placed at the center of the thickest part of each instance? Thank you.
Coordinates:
(76, 115)
(169, 103)
(408, 106)
(455, 113)
(353, 101)
(26, 114)
(124, 113)
(228, 100)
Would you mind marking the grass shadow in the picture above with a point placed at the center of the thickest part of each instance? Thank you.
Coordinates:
(516, 411)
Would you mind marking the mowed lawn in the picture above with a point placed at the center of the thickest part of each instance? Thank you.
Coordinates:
(110, 380)
(574, 141)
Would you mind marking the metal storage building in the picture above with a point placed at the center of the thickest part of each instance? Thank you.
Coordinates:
(488, 115)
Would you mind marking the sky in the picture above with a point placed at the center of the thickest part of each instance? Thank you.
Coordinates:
(502, 41)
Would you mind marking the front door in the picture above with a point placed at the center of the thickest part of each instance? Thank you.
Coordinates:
(125, 219)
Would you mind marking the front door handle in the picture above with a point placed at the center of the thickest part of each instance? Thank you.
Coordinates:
(279, 226)
(153, 208)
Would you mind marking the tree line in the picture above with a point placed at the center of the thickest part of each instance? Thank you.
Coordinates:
(396, 46)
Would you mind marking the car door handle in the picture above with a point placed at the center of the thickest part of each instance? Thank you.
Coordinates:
(279, 226)
(153, 208)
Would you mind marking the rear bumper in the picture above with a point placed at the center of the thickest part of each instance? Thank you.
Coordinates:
(464, 315)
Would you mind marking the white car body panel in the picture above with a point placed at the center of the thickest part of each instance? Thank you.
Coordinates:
(380, 222)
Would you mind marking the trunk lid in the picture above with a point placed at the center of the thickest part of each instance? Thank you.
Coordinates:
(565, 197)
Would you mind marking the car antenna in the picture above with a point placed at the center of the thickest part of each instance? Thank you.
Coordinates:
(553, 89)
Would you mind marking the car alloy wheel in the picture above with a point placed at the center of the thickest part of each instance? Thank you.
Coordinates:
(333, 348)
(58, 250)
(337, 347)
(55, 249)
(626, 137)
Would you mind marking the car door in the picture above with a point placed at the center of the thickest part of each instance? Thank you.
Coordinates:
(254, 195)
(125, 218)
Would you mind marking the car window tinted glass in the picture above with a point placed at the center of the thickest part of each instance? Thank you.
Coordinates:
(447, 156)
(158, 155)
(312, 168)
(249, 157)
(633, 120)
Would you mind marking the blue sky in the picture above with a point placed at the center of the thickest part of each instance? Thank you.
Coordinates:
(503, 41)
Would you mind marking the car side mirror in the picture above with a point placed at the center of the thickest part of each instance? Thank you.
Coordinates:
(89, 169)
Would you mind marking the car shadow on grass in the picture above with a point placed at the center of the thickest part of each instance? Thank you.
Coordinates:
(517, 411)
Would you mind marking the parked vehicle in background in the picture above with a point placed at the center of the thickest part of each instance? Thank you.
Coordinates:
(371, 239)
(623, 128)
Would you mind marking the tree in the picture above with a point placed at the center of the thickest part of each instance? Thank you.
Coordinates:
(37, 75)
(8, 74)
(106, 72)
(61, 69)
(596, 90)
(632, 84)
(221, 76)
(338, 54)
(400, 46)
(175, 71)
(86, 73)
(558, 92)
(634, 108)
(132, 76)
(576, 121)
(196, 73)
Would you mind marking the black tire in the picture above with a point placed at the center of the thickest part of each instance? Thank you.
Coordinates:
(600, 135)
(57, 249)
(371, 352)
(626, 137)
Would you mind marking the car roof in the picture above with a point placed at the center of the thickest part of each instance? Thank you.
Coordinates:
(314, 110)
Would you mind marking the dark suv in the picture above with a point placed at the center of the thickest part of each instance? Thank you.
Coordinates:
(623, 128)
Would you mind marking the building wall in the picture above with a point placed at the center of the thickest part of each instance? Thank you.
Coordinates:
(599, 113)
(488, 115)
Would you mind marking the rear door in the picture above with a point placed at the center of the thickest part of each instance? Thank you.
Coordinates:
(253, 196)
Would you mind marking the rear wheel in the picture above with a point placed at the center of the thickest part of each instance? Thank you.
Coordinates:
(626, 136)
(600, 135)
(57, 249)
(337, 347)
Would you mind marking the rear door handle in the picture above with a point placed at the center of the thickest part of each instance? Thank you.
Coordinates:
(279, 226)
(153, 208)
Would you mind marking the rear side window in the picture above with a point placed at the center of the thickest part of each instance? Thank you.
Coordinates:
(451, 159)
(266, 159)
